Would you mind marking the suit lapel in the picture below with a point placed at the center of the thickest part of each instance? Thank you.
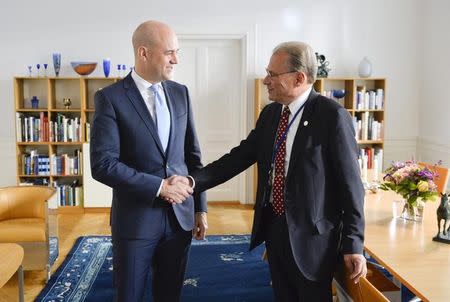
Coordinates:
(271, 137)
(300, 135)
(169, 97)
(139, 105)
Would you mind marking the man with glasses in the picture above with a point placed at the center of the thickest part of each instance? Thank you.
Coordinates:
(309, 202)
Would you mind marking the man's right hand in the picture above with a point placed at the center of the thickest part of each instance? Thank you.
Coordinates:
(175, 189)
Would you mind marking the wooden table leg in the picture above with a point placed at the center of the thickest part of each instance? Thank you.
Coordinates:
(20, 276)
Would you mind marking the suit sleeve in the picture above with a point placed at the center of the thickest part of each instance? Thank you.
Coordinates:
(192, 155)
(344, 154)
(231, 164)
(105, 154)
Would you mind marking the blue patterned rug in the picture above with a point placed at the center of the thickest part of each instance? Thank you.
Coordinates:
(220, 269)
(54, 250)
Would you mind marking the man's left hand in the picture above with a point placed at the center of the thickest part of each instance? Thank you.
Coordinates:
(356, 264)
(200, 227)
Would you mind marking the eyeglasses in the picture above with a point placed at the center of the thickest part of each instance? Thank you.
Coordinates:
(272, 74)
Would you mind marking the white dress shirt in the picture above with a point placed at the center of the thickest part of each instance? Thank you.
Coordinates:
(293, 107)
(149, 99)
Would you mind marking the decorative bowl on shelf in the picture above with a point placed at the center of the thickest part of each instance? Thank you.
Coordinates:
(339, 93)
(83, 68)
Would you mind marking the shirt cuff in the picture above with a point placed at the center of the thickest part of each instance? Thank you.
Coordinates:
(193, 181)
(160, 187)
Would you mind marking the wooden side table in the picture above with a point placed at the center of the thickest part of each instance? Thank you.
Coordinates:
(11, 256)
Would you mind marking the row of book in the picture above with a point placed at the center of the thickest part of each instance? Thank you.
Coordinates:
(88, 132)
(367, 128)
(33, 163)
(40, 129)
(68, 194)
(65, 164)
(369, 100)
(365, 100)
(370, 158)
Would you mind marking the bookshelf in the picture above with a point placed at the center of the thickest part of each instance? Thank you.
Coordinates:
(50, 136)
(365, 100)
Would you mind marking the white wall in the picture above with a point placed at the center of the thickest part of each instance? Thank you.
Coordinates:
(388, 32)
(434, 131)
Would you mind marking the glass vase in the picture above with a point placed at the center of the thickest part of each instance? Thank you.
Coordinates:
(413, 213)
(56, 62)
(34, 102)
(106, 66)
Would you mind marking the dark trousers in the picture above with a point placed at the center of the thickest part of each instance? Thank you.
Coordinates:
(164, 255)
(289, 284)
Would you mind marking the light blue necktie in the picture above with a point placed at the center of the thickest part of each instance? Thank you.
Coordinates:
(162, 117)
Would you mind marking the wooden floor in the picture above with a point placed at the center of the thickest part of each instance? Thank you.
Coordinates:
(222, 219)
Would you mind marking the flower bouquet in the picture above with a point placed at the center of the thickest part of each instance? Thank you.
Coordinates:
(415, 183)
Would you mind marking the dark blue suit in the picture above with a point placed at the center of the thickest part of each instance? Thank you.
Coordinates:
(323, 191)
(126, 154)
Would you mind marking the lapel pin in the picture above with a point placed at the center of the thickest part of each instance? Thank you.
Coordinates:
(305, 123)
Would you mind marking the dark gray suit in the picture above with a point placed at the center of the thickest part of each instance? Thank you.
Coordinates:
(323, 190)
(126, 154)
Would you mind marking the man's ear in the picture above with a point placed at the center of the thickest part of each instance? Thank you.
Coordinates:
(143, 53)
(301, 78)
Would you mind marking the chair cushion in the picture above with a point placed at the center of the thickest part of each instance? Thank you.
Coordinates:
(22, 230)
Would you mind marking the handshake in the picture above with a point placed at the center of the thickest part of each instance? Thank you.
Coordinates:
(176, 189)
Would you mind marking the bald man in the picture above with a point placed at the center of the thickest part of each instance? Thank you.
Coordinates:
(142, 134)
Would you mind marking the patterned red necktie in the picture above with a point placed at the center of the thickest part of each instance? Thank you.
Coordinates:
(278, 182)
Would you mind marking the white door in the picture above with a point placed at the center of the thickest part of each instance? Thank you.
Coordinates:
(211, 69)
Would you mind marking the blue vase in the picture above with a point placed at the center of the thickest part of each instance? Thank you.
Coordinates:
(34, 102)
(106, 66)
(56, 62)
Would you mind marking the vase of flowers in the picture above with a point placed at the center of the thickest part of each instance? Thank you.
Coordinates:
(414, 213)
(415, 183)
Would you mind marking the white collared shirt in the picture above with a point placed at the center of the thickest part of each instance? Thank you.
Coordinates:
(293, 107)
(149, 98)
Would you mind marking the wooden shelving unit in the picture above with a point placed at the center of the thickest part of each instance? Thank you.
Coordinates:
(50, 91)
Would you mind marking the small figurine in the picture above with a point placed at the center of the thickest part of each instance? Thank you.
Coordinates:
(322, 66)
(67, 102)
(443, 213)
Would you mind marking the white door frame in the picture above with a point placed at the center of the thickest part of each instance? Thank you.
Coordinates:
(245, 184)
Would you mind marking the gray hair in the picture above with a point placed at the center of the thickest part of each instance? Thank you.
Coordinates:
(301, 58)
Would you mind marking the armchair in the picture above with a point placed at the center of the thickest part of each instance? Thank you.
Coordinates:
(363, 291)
(24, 220)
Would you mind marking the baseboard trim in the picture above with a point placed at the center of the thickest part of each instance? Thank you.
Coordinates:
(233, 204)
(97, 210)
